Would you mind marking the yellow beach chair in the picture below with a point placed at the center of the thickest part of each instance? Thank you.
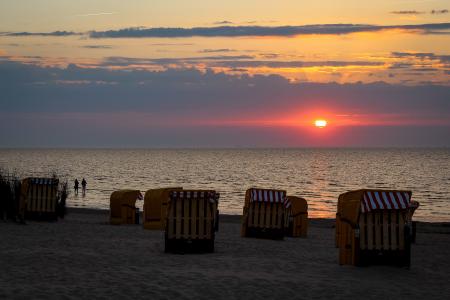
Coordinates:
(39, 198)
(264, 213)
(375, 226)
(123, 206)
(296, 224)
(155, 207)
(192, 217)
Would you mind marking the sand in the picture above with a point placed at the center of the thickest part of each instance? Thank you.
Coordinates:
(84, 257)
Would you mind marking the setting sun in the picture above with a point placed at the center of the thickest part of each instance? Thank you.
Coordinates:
(320, 123)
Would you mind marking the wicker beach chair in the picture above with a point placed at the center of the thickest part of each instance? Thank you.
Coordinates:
(155, 207)
(296, 217)
(192, 218)
(123, 207)
(264, 213)
(39, 198)
(375, 226)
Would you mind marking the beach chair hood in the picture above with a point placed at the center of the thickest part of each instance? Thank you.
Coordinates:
(352, 204)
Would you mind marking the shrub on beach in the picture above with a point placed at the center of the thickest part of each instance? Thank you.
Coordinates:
(10, 186)
(63, 193)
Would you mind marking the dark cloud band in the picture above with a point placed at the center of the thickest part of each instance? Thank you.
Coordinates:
(237, 31)
(242, 31)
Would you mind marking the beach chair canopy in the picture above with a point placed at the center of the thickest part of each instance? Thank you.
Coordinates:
(188, 194)
(352, 203)
(155, 207)
(297, 204)
(268, 195)
(123, 198)
(385, 200)
(42, 181)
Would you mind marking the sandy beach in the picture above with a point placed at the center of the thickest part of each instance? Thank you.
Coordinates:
(83, 256)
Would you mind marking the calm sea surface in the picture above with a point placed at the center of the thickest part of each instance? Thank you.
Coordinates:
(319, 175)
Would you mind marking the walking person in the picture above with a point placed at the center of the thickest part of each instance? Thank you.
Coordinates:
(75, 186)
(83, 185)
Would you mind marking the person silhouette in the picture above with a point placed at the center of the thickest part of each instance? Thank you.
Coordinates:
(83, 185)
(75, 186)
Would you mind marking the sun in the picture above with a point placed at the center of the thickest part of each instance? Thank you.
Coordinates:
(320, 123)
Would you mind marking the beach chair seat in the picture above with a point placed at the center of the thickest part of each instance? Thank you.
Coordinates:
(375, 226)
(155, 207)
(123, 207)
(296, 217)
(191, 221)
(39, 198)
(264, 213)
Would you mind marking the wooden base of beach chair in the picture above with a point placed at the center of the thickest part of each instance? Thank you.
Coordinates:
(413, 233)
(41, 216)
(264, 220)
(382, 238)
(398, 257)
(265, 233)
(298, 226)
(182, 246)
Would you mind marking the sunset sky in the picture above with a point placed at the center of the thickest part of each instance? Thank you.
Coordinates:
(242, 73)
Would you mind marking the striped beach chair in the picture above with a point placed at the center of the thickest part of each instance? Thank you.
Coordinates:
(296, 219)
(123, 208)
(39, 198)
(192, 218)
(264, 213)
(155, 207)
(375, 226)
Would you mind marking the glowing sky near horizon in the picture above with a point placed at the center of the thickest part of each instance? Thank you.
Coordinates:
(402, 72)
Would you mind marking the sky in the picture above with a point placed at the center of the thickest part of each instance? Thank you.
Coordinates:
(224, 74)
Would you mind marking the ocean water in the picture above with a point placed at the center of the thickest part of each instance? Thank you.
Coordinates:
(319, 175)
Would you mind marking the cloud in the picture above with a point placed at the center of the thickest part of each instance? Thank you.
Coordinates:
(32, 88)
(216, 50)
(292, 64)
(97, 46)
(127, 61)
(54, 33)
(96, 14)
(234, 62)
(415, 12)
(171, 44)
(439, 12)
(422, 55)
(407, 12)
(187, 107)
(223, 22)
(401, 65)
(237, 31)
(243, 31)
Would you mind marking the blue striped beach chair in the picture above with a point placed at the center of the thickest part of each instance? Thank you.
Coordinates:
(192, 219)
(264, 213)
(39, 198)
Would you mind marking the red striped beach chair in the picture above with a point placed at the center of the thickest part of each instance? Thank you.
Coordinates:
(39, 198)
(375, 226)
(264, 213)
(192, 218)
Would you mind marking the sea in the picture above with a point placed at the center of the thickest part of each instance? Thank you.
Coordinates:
(318, 175)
